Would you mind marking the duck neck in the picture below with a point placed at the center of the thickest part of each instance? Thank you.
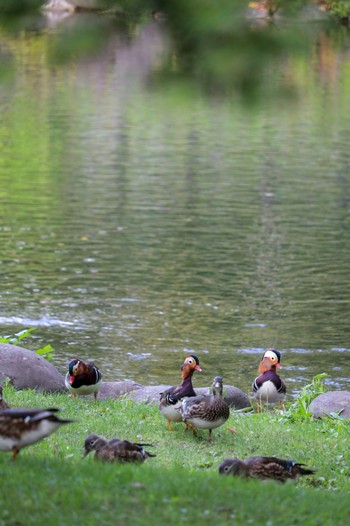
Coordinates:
(186, 375)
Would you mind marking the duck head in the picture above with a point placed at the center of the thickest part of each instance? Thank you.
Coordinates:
(76, 368)
(217, 386)
(190, 365)
(270, 360)
(92, 443)
(233, 466)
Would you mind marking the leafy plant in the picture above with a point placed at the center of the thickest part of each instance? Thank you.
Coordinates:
(339, 8)
(46, 352)
(299, 409)
(14, 339)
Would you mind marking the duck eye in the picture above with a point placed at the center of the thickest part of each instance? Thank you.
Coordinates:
(226, 468)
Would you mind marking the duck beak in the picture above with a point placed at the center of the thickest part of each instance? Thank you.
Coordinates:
(197, 368)
(86, 452)
(278, 365)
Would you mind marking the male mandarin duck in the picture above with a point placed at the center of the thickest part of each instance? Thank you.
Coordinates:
(22, 427)
(268, 386)
(206, 411)
(264, 468)
(115, 450)
(83, 378)
(3, 404)
(170, 400)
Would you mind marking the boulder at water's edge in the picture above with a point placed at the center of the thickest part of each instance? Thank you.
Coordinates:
(331, 402)
(28, 370)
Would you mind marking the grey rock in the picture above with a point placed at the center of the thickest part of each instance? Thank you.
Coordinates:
(117, 389)
(148, 394)
(234, 397)
(28, 370)
(331, 402)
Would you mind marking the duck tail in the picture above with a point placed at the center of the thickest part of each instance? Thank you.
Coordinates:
(299, 470)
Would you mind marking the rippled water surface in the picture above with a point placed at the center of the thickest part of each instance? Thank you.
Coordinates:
(136, 224)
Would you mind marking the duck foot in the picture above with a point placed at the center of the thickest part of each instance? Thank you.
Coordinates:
(231, 430)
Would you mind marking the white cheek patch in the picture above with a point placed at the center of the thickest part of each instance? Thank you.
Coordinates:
(271, 355)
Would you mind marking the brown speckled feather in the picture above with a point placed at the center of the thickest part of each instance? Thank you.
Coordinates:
(21, 427)
(206, 411)
(264, 468)
(115, 450)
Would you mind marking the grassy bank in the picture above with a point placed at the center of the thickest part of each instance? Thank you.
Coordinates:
(50, 483)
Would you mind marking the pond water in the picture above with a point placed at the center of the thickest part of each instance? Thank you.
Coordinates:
(138, 223)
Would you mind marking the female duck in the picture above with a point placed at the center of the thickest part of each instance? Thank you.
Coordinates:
(83, 379)
(171, 399)
(206, 411)
(268, 386)
(264, 468)
(115, 450)
(21, 427)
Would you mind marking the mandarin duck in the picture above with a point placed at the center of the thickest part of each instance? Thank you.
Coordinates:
(83, 378)
(22, 427)
(115, 450)
(268, 386)
(171, 399)
(264, 468)
(206, 411)
(3, 404)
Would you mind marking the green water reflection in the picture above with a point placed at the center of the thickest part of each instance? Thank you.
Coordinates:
(139, 222)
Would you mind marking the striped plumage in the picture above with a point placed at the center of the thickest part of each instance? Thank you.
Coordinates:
(83, 378)
(264, 468)
(115, 450)
(268, 387)
(206, 411)
(22, 427)
(171, 399)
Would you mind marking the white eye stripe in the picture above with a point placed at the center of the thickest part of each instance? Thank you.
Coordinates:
(271, 354)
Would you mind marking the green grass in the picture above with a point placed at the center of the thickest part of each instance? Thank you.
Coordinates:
(50, 483)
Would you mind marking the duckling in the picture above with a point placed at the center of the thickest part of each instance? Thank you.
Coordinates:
(264, 468)
(268, 386)
(83, 378)
(170, 400)
(22, 427)
(115, 449)
(206, 411)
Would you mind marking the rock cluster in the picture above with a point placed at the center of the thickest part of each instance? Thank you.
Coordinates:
(27, 370)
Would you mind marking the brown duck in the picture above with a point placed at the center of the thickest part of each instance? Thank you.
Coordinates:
(264, 468)
(115, 450)
(268, 386)
(171, 399)
(206, 411)
(83, 378)
(22, 427)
